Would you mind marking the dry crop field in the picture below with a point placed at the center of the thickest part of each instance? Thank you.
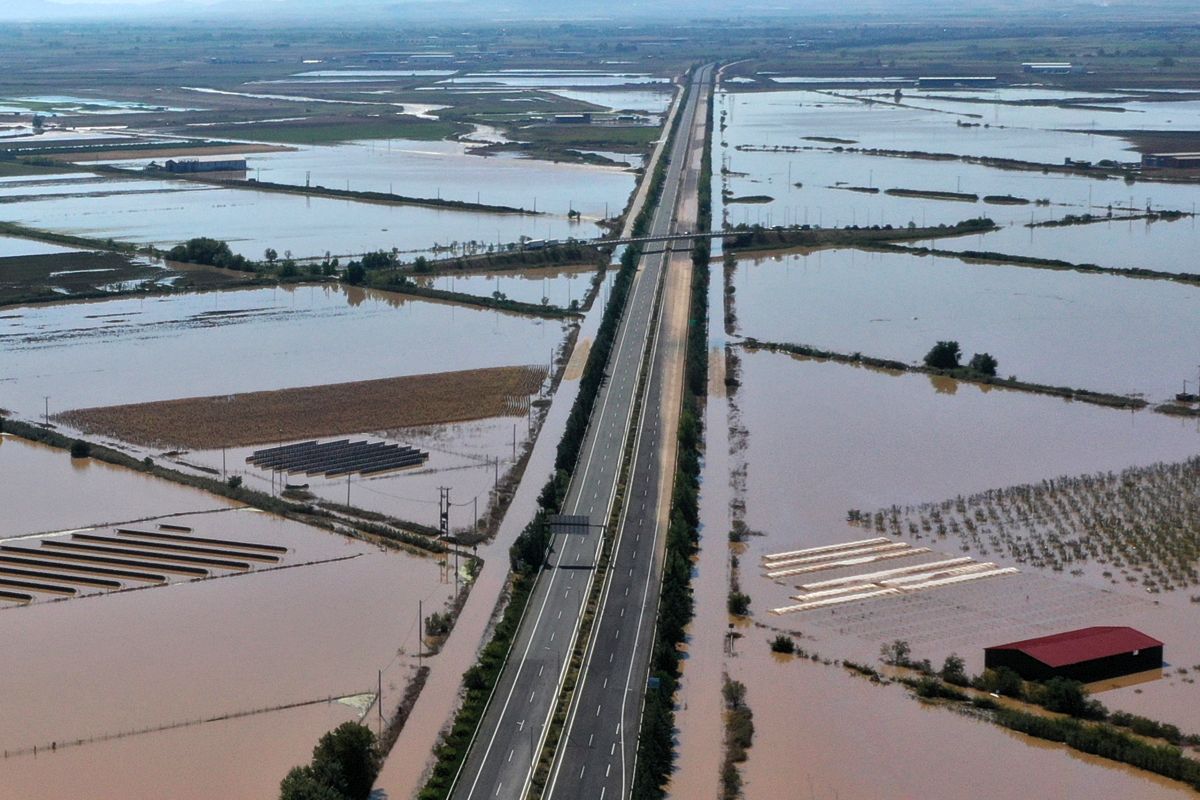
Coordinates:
(206, 423)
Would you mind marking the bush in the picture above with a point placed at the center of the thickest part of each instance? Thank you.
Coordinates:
(739, 604)
(234, 482)
(80, 449)
(1003, 680)
(1065, 696)
(783, 644)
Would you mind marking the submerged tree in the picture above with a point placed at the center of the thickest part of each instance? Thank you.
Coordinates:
(983, 363)
(943, 355)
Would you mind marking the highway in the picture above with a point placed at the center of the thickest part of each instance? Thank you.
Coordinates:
(501, 760)
(597, 754)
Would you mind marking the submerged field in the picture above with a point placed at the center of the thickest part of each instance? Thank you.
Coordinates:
(1044, 326)
(242, 644)
(205, 423)
(219, 343)
(993, 515)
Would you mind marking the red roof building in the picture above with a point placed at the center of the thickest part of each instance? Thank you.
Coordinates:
(1085, 655)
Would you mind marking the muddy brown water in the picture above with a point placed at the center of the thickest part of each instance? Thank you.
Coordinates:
(939, 440)
(100, 665)
(200, 344)
(821, 733)
(1057, 328)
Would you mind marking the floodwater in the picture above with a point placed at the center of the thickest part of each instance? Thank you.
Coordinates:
(821, 733)
(818, 446)
(447, 170)
(645, 100)
(244, 757)
(535, 79)
(1163, 246)
(782, 117)
(10, 246)
(98, 493)
(837, 453)
(230, 645)
(557, 287)
(186, 345)
(251, 221)
(1099, 332)
(1102, 112)
(813, 186)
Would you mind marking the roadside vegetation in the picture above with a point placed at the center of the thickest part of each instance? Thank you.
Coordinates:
(656, 739)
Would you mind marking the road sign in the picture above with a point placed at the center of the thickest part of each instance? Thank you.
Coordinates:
(570, 523)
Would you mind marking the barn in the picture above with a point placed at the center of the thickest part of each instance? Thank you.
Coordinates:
(1084, 655)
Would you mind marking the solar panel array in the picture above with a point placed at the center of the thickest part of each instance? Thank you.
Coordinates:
(87, 563)
(341, 457)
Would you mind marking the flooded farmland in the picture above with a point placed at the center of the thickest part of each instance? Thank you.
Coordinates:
(306, 226)
(858, 740)
(800, 438)
(447, 170)
(135, 350)
(1045, 326)
(234, 646)
(556, 287)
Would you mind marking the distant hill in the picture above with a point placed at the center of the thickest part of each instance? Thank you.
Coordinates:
(483, 10)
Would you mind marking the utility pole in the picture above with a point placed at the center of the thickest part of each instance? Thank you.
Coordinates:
(444, 510)
(347, 488)
(420, 632)
(444, 528)
(379, 704)
(46, 419)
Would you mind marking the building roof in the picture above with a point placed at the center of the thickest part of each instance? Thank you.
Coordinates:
(1085, 644)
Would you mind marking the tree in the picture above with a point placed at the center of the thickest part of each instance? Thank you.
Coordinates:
(347, 753)
(355, 273)
(943, 355)
(80, 449)
(270, 255)
(954, 670)
(983, 363)
(303, 784)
